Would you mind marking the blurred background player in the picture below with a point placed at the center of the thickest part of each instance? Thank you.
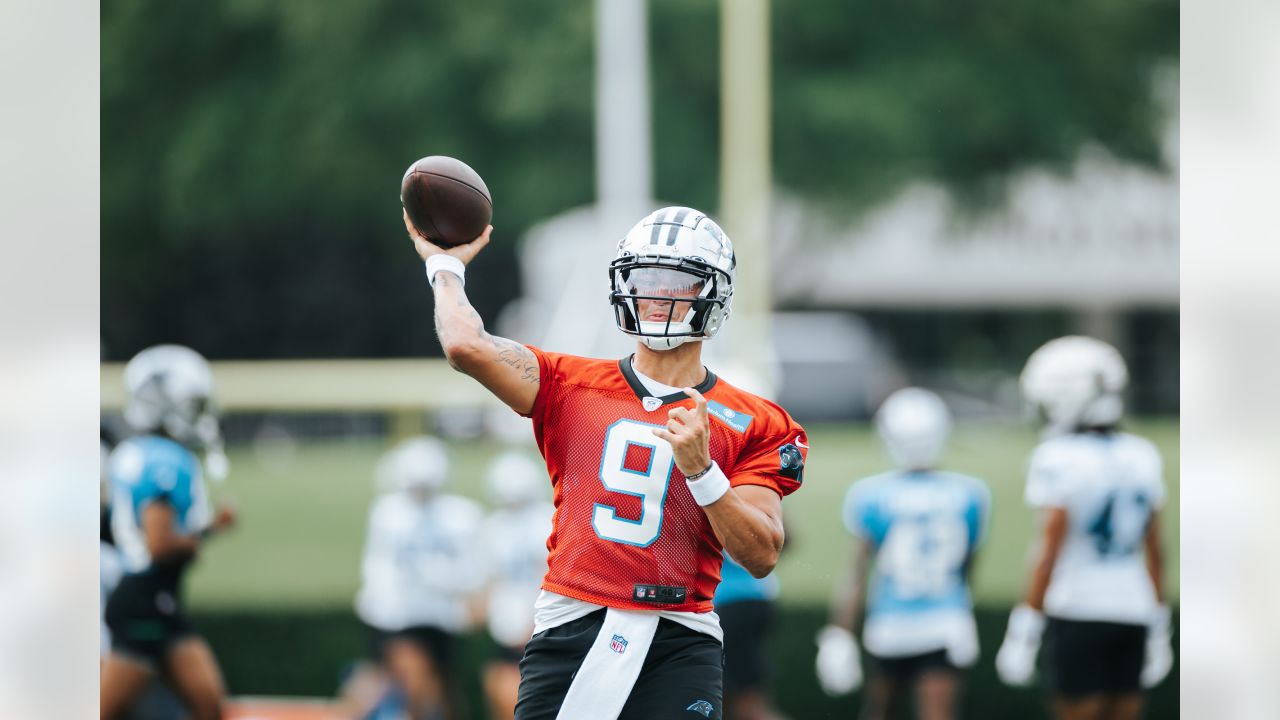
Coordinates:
(921, 527)
(515, 541)
(745, 605)
(1094, 595)
(160, 516)
(420, 572)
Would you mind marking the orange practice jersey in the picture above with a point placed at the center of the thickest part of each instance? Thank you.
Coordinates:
(627, 532)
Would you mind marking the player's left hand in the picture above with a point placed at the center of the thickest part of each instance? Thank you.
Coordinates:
(689, 433)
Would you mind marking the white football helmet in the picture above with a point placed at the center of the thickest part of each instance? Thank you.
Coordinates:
(914, 424)
(419, 465)
(170, 389)
(674, 254)
(515, 480)
(1076, 381)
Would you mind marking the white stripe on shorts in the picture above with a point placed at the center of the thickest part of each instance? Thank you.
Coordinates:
(609, 671)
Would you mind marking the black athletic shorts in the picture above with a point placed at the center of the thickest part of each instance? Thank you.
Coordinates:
(681, 679)
(906, 669)
(746, 625)
(144, 614)
(434, 642)
(1083, 658)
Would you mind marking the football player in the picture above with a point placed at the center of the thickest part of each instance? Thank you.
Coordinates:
(160, 517)
(921, 527)
(515, 536)
(656, 466)
(1095, 593)
(745, 605)
(419, 573)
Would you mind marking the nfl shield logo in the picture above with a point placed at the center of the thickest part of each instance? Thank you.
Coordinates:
(618, 644)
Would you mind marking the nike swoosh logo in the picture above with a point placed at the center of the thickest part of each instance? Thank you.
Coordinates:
(801, 442)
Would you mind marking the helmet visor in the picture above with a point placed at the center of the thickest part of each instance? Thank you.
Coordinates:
(663, 282)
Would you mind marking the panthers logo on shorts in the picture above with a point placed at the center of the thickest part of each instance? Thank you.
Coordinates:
(703, 707)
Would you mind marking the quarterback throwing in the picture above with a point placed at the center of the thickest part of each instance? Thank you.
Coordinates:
(656, 466)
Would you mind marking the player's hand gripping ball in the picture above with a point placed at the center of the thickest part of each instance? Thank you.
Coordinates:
(447, 201)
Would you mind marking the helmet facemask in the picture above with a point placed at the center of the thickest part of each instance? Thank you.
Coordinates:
(666, 302)
(672, 279)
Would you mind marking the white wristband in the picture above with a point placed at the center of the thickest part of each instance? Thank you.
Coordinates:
(710, 487)
(446, 263)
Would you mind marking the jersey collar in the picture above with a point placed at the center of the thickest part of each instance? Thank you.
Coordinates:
(638, 387)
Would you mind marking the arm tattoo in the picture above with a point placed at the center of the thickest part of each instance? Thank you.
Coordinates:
(517, 356)
(462, 316)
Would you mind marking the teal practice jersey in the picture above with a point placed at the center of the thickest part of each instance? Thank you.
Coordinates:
(148, 469)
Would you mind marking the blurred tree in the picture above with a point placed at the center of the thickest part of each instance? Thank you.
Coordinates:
(252, 149)
(868, 95)
(252, 153)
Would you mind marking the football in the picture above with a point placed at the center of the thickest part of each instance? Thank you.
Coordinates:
(446, 200)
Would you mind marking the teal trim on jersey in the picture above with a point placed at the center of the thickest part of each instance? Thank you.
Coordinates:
(734, 419)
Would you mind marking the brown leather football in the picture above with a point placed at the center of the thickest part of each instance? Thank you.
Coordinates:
(447, 200)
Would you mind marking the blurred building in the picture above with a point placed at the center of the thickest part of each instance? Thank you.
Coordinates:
(919, 290)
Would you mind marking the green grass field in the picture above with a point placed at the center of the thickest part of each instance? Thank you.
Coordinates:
(303, 515)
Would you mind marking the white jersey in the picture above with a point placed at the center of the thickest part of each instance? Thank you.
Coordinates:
(421, 563)
(516, 560)
(1109, 484)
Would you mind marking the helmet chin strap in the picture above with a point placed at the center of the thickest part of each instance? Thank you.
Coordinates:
(663, 344)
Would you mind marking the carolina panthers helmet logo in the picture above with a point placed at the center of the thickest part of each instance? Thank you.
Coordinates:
(702, 707)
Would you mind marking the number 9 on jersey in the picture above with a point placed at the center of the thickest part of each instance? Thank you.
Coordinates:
(650, 485)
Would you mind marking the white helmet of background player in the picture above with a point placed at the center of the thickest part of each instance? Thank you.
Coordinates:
(515, 480)
(673, 252)
(914, 424)
(170, 390)
(418, 465)
(1076, 381)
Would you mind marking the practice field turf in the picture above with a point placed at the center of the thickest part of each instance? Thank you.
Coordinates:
(303, 513)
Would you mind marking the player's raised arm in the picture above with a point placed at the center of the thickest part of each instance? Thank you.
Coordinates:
(507, 368)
